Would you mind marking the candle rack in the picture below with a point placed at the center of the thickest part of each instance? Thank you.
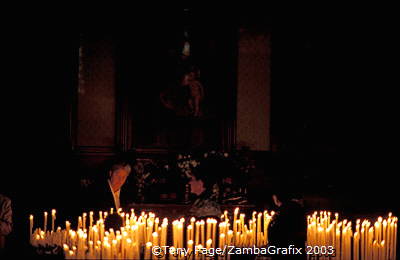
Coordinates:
(141, 234)
(328, 237)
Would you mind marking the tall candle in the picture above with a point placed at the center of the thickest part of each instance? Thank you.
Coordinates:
(356, 246)
(156, 223)
(164, 226)
(147, 251)
(222, 240)
(230, 238)
(189, 233)
(190, 248)
(53, 218)
(259, 229)
(45, 222)
(213, 231)
(202, 232)
(155, 239)
(235, 214)
(395, 239)
(91, 219)
(208, 229)
(180, 235)
(30, 225)
(242, 216)
(196, 242)
(192, 223)
(208, 243)
(79, 222)
(84, 221)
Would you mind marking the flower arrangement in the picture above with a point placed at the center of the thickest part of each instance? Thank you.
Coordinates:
(186, 165)
(142, 171)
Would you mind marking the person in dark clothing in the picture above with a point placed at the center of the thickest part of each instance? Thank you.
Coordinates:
(288, 227)
(114, 191)
(211, 172)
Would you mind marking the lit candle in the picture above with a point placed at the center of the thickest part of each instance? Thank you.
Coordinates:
(91, 219)
(242, 216)
(197, 233)
(229, 239)
(190, 248)
(356, 246)
(180, 235)
(259, 229)
(192, 223)
(395, 238)
(370, 242)
(164, 226)
(30, 225)
(209, 243)
(189, 232)
(45, 222)
(53, 218)
(155, 239)
(235, 214)
(147, 251)
(84, 220)
(156, 222)
(79, 222)
(222, 240)
(213, 231)
(202, 232)
(208, 230)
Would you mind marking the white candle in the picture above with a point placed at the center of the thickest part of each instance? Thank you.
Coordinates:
(147, 251)
(196, 242)
(53, 218)
(84, 220)
(208, 229)
(91, 218)
(213, 232)
(30, 225)
(45, 222)
(79, 222)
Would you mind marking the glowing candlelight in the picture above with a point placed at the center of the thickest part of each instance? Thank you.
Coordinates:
(259, 229)
(197, 233)
(202, 232)
(30, 225)
(189, 233)
(208, 230)
(213, 232)
(90, 219)
(147, 252)
(53, 218)
(84, 221)
(45, 222)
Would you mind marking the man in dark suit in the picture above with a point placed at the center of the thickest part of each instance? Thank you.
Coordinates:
(113, 191)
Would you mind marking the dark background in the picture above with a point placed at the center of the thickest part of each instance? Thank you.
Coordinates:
(333, 107)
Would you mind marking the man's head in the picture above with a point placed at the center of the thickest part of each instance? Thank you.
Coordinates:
(118, 174)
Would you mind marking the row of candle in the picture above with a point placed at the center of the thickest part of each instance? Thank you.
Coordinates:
(140, 233)
(366, 242)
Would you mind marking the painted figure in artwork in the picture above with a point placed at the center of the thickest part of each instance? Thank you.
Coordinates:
(196, 91)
